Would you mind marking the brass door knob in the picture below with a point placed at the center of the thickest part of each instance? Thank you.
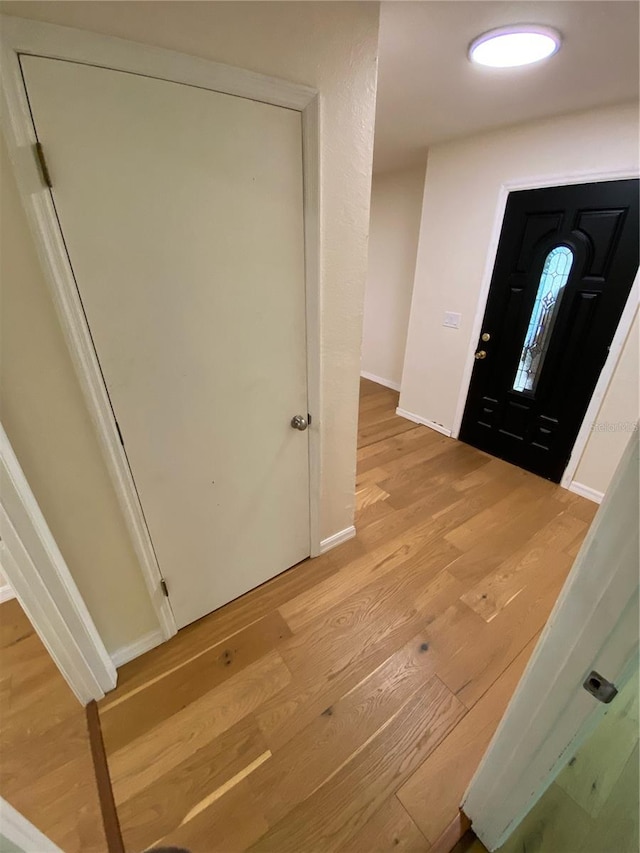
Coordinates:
(481, 354)
(486, 337)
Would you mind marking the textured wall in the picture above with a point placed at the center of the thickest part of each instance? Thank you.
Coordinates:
(396, 205)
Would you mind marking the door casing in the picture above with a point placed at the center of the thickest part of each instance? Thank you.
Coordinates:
(36, 570)
(626, 320)
(20, 36)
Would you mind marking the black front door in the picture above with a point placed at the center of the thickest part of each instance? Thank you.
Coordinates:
(566, 260)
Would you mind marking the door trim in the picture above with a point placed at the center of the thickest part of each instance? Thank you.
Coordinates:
(622, 331)
(37, 571)
(51, 41)
(22, 832)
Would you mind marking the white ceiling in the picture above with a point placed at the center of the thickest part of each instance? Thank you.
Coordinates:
(429, 92)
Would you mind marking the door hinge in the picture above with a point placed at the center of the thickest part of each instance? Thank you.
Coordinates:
(119, 434)
(44, 169)
(165, 588)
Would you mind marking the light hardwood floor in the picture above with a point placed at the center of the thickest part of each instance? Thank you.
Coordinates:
(46, 769)
(345, 704)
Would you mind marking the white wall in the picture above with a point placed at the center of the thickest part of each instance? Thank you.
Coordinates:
(331, 46)
(396, 205)
(462, 187)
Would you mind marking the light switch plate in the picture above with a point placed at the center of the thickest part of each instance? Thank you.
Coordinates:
(452, 319)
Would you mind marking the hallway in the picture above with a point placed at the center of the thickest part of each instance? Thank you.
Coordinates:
(325, 709)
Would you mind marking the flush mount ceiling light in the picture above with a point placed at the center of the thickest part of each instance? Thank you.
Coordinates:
(508, 47)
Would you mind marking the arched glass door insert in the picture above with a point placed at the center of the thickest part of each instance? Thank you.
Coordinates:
(555, 275)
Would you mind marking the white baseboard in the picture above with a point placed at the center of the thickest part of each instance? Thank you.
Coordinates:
(127, 653)
(395, 386)
(337, 539)
(586, 492)
(423, 421)
(6, 593)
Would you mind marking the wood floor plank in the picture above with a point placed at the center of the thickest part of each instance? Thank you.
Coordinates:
(326, 646)
(416, 558)
(544, 552)
(132, 713)
(374, 512)
(407, 486)
(512, 577)
(491, 550)
(13, 625)
(29, 754)
(161, 807)
(332, 815)
(373, 475)
(368, 495)
(223, 624)
(378, 409)
(229, 825)
(423, 511)
(434, 805)
(441, 506)
(472, 653)
(493, 470)
(325, 671)
(390, 830)
(579, 507)
(370, 388)
(388, 449)
(166, 745)
(492, 519)
(383, 429)
(340, 731)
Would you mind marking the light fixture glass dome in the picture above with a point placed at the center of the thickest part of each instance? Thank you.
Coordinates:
(508, 47)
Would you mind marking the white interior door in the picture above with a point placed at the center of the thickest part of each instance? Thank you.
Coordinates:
(182, 213)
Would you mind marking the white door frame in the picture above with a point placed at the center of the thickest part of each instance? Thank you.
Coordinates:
(622, 331)
(593, 626)
(21, 832)
(43, 585)
(31, 37)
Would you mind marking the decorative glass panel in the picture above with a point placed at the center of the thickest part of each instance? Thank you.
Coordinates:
(555, 275)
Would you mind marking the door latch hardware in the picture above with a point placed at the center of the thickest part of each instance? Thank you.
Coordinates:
(480, 354)
(603, 690)
(299, 422)
(44, 169)
(164, 587)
